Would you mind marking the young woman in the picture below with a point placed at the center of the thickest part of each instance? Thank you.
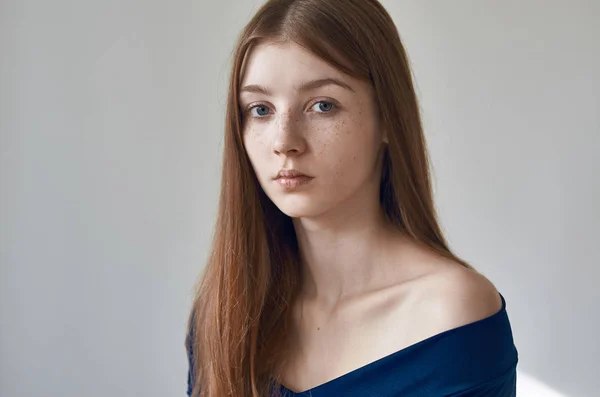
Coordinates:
(329, 275)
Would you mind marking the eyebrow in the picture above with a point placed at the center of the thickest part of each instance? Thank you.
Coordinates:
(304, 87)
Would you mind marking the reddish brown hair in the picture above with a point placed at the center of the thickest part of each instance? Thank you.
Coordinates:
(240, 317)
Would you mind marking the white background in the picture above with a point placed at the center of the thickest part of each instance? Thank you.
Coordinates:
(111, 117)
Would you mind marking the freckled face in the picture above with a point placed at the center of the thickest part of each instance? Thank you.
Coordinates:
(327, 130)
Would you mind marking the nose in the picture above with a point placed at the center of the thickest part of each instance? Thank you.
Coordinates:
(288, 139)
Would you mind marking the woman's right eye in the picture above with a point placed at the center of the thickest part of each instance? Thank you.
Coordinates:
(261, 111)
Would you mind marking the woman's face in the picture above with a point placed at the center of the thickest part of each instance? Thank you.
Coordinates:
(301, 114)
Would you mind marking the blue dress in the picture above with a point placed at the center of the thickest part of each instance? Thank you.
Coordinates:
(476, 359)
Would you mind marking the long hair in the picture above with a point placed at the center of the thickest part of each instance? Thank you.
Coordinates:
(240, 317)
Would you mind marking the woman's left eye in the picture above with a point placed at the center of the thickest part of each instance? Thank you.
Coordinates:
(323, 106)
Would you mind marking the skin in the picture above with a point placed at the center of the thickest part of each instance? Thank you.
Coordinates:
(368, 290)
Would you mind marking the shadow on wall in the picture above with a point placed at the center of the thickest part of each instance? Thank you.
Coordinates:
(528, 386)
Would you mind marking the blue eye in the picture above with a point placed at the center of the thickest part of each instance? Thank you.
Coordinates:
(262, 110)
(324, 106)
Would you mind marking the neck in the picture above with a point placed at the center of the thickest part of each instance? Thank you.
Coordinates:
(346, 251)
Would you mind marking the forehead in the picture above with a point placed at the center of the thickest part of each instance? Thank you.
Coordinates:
(286, 66)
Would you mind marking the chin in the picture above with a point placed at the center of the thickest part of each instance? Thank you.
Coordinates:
(298, 207)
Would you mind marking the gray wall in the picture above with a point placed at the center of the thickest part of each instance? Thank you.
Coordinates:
(111, 117)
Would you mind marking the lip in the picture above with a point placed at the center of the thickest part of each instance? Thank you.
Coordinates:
(292, 179)
(290, 174)
(294, 182)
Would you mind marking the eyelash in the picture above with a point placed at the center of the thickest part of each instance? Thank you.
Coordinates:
(333, 104)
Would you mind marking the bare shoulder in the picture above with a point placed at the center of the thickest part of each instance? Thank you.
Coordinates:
(454, 296)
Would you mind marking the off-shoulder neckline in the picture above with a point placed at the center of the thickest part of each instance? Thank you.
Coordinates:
(403, 351)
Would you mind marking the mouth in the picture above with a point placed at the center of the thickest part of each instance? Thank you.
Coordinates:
(294, 182)
(292, 179)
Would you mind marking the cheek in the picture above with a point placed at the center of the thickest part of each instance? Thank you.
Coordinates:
(343, 146)
(254, 144)
(347, 144)
(256, 148)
